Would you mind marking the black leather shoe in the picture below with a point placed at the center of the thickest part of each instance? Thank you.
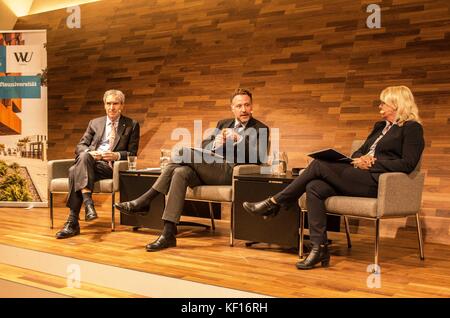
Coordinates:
(161, 243)
(70, 229)
(318, 254)
(91, 214)
(131, 208)
(264, 208)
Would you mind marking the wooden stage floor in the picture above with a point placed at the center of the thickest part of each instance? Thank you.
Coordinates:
(205, 257)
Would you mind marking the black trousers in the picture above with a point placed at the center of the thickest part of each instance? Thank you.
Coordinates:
(321, 180)
(83, 174)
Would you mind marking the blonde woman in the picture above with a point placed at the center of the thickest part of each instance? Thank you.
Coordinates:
(395, 145)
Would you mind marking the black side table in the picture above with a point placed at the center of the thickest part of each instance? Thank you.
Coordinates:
(282, 229)
(132, 185)
(135, 183)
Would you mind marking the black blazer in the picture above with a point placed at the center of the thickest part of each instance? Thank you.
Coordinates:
(398, 151)
(127, 139)
(251, 141)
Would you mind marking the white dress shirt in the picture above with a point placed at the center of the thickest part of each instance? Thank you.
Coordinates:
(374, 145)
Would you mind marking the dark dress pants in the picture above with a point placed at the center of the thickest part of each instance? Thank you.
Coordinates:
(321, 180)
(177, 177)
(83, 174)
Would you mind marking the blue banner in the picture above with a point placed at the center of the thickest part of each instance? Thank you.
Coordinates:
(2, 59)
(20, 87)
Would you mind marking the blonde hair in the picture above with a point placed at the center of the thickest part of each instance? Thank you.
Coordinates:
(402, 99)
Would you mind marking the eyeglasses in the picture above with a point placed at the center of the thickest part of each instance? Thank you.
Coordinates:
(382, 103)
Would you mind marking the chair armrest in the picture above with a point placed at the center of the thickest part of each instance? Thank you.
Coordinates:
(399, 193)
(246, 169)
(119, 165)
(58, 169)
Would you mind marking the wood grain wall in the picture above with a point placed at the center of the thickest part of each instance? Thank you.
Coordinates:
(314, 66)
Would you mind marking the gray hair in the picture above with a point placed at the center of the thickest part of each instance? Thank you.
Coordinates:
(116, 93)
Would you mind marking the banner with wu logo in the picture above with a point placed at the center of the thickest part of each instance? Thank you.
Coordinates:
(24, 59)
(23, 118)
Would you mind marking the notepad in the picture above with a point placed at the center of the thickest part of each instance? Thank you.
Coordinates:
(158, 169)
(330, 154)
(208, 152)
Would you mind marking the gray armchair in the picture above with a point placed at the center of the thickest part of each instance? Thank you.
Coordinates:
(220, 193)
(399, 195)
(58, 182)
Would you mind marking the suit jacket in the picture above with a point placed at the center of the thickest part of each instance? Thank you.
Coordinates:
(399, 150)
(253, 141)
(127, 138)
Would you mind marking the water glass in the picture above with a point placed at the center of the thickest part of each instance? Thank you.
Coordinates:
(164, 159)
(279, 163)
(132, 162)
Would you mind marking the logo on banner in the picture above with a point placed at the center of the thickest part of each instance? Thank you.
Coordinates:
(25, 59)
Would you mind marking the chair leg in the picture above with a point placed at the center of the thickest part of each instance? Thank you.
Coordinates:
(51, 209)
(113, 216)
(420, 237)
(347, 231)
(377, 240)
(301, 233)
(211, 213)
(232, 225)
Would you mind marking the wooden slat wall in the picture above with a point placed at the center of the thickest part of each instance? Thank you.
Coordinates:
(314, 66)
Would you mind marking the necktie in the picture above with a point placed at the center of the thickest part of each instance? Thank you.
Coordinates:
(238, 128)
(112, 138)
(112, 135)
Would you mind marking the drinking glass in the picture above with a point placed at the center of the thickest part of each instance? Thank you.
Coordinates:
(132, 162)
(279, 163)
(164, 159)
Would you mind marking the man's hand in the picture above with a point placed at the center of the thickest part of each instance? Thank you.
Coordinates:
(364, 162)
(219, 140)
(97, 155)
(230, 134)
(227, 134)
(110, 156)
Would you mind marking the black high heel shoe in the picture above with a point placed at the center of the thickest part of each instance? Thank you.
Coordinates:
(318, 254)
(264, 208)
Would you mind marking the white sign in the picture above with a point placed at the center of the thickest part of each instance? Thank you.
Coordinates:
(24, 59)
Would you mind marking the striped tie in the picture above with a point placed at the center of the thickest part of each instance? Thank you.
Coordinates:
(112, 135)
(239, 127)
(112, 138)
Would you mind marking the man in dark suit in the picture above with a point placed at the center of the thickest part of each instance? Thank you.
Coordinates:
(107, 139)
(239, 140)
